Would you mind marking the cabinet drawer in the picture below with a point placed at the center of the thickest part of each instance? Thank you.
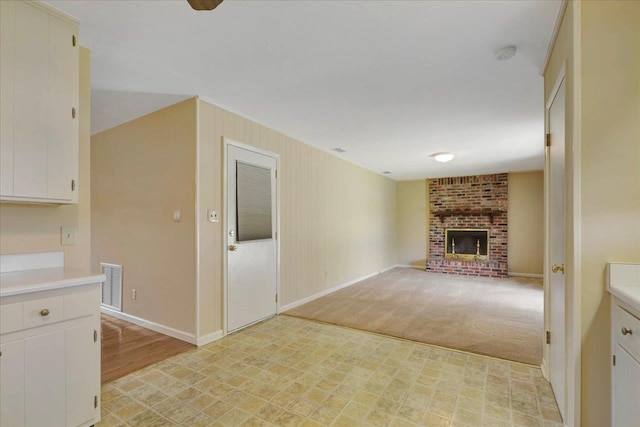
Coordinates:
(43, 311)
(81, 304)
(10, 318)
(624, 321)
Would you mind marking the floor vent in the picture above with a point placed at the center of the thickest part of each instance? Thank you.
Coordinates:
(112, 286)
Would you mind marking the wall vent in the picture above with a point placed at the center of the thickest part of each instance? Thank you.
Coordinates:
(112, 286)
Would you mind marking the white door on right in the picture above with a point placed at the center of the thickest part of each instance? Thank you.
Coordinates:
(557, 360)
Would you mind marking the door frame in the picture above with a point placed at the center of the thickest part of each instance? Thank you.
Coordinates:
(572, 368)
(226, 142)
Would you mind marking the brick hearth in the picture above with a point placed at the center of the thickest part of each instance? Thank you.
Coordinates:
(471, 194)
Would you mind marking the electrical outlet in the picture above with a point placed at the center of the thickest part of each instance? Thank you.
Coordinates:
(134, 294)
(177, 216)
(212, 216)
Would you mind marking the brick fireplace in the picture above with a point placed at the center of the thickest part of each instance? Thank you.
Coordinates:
(468, 203)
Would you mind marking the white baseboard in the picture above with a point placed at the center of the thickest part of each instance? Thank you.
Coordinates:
(166, 330)
(330, 290)
(534, 275)
(209, 338)
(417, 267)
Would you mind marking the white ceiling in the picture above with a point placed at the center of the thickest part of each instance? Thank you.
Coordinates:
(391, 82)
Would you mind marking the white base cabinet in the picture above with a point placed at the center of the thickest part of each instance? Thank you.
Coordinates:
(624, 286)
(50, 360)
(625, 374)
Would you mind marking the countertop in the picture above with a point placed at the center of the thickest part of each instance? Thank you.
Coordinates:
(45, 279)
(624, 283)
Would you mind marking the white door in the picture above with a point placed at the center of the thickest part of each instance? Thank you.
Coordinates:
(251, 237)
(556, 248)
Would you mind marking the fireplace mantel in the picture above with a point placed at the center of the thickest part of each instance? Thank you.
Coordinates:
(442, 214)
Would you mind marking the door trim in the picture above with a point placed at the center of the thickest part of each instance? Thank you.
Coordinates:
(547, 217)
(226, 142)
(572, 369)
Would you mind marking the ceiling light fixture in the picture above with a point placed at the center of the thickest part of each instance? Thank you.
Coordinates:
(386, 172)
(339, 150)
(443, 157)
(506, 53)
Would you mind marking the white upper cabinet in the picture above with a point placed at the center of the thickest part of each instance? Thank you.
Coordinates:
(39, 117)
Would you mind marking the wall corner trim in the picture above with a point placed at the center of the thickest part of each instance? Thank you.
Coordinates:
(331, 290)
(544, 367)
(166, 330)
(209, 338)
(554, 36)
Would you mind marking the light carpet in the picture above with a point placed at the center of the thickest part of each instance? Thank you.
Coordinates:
(501, 318)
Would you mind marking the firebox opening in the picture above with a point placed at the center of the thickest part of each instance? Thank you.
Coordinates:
(467, 244)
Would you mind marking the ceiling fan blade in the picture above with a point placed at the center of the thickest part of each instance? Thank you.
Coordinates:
(204, 4)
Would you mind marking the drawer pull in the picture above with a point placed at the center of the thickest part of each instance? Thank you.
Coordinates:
(626, 331)
(44, 312)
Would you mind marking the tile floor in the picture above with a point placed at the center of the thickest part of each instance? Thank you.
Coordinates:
(293, 372)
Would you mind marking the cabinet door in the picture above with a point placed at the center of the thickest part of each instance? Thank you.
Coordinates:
(12, 384)
(83, 374)
(44, 380)
(626, 389)
(31, 86)
(62, 148)
(39, 81)
(7, 64)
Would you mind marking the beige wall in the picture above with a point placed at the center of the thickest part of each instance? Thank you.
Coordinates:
(141, 172)
(337, 220)
(598, 42)
(610, 167)
(36, 228)
(526, 222)
(412, 222)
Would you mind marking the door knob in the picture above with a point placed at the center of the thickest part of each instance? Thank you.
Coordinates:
(626, 331)
(232, 248)
(555, 268)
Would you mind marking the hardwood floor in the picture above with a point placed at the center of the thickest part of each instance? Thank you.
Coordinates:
(127, 348)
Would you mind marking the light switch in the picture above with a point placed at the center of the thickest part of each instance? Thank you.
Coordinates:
(177, 216)
(212, 216)
(67, 235)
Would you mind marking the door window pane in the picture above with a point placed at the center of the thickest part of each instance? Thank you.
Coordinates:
(253, 202)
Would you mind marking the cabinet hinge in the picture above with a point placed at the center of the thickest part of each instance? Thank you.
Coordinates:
(614, 360)
(95, 336)
(74, 40)
(73, 112)
(276, 297)
(95, 401)
(548, 335)
(276, 173)
(73, 185)
(548, 140)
